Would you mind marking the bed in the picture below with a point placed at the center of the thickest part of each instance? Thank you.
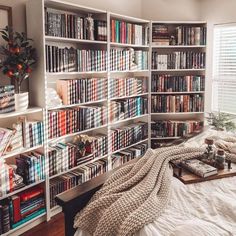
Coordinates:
(197, 211)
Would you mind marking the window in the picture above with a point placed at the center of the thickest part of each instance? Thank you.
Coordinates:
(224, 69)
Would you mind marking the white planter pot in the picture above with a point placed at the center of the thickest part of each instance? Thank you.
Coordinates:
(21, 101)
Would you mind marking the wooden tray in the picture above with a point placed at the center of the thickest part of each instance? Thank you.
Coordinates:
(190, 178)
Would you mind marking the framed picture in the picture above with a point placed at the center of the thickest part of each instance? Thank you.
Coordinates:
(5, 18)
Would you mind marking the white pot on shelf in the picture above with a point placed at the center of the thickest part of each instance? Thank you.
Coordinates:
(21, 101)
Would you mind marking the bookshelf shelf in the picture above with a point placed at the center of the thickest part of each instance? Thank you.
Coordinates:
(178, 70)
(77, 104)
(177, 113)
(77, 167)
(50, 74)
(39, 218)
(128, 119)
(192, 92)
(164, 138)
(122, 149)
(131, 96)
(77, 133)
(128, 45)
(178, 46)
(72, 40)
(130, 71)
(21, 189)
(19, 151)
(20, 113)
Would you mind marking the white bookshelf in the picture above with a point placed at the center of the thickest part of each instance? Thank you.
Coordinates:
(162, 49)
(43, 79)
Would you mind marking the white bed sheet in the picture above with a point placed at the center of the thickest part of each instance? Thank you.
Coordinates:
(202, 209)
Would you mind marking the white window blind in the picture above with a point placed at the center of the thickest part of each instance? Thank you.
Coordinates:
(224, 69)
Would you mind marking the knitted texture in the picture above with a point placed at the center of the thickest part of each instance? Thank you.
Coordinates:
(136, 194)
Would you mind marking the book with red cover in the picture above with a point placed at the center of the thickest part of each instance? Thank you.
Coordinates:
(16, 208)
(32, 193)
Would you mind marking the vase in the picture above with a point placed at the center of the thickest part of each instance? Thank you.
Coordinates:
(21, 101)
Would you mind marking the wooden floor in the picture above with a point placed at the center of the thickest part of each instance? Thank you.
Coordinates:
(55, 227)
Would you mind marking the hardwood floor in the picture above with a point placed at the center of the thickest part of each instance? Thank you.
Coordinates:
(55, 227)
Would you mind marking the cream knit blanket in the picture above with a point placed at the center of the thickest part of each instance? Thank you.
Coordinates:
(136, 194)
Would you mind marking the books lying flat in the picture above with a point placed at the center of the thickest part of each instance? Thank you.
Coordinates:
(199, 168)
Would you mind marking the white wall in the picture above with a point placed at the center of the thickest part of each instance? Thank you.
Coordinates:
(215, 12)
(171, 9)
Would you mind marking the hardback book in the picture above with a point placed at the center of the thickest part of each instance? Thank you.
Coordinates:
(199, 168)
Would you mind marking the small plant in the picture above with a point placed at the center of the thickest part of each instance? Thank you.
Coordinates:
(221, 121)
(18, 56)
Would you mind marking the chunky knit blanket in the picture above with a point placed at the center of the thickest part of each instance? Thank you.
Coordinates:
(135, 195)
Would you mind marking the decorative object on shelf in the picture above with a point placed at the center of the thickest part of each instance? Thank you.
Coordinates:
(19, 56)
(221, 121)
(89, 26)
(7, 99)
(53, 98)
(220, 159)
(172, 40)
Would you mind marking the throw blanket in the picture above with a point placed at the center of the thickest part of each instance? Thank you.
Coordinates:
(136, 194)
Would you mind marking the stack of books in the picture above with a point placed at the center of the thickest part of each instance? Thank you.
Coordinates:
(61, 24)
(174, 128)
(124, 32)
(128, 135)
(160, 35)
(186, 35)
(24, 133)
(177, 103)
(68, 121)
(178, 60)
(129, 154)
(128, 59)
(31, 167)
(123, 87)
(74, 60)
(21, 208)
(82, 90)
(128, 108)
(65, 156)
(169, 83)
(76, 177)
(7, 98)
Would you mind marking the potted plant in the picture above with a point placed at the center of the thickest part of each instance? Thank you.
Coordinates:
(18, 56)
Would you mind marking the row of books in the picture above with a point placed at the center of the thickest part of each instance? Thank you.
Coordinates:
(174, 128)
(65, 156)
(29, 168)
(129, 154)
(123, 87)
(127, 135)
(81, 90)
(128, 59)
(60, 24)
(124, 32)
(178, 60)
(76, 177)
(186, 35)
(7, 98)
(68, 121)
(74, 60)
(169, 83)
(21, 208)
(177, 103)
(180, 35)
(128, 108)
(23, 134)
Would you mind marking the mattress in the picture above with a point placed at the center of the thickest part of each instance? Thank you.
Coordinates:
(202, 209)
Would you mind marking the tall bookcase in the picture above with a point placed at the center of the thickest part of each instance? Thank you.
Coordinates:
(129, 63)
(174, 44)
